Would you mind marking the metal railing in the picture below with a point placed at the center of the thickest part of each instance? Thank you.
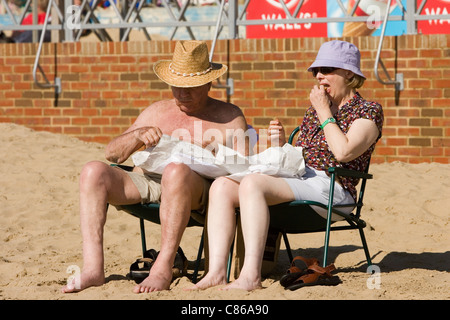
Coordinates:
(398, 82)
(72, 20)
(46, 84)
(69, 20)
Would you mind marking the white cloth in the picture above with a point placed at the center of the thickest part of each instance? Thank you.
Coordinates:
(285, 161)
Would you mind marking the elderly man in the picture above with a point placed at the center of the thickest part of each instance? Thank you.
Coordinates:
(179, 189)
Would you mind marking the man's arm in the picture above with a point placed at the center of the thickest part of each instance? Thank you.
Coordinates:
(139, 134)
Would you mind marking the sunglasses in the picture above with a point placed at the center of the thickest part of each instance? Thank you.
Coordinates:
(323, 70)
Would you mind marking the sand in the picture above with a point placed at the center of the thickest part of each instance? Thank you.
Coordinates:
(406, 207)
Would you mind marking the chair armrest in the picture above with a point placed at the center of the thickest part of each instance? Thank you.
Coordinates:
(292, 135)
(349, 173)
(124, 167)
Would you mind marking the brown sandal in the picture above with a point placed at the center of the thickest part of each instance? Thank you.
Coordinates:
(299, 265)
(316, 275)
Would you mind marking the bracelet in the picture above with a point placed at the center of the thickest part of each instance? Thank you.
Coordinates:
(331, 119)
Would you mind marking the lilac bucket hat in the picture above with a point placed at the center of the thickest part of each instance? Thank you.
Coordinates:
(339, 54)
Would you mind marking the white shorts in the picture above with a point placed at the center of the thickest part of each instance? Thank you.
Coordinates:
(315, 185)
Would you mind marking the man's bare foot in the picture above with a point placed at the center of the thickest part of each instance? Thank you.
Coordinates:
(157, 280)
(244, 284)
(86, 280)
(210, 280)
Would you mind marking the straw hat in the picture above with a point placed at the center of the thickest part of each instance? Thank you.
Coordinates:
(189, 67)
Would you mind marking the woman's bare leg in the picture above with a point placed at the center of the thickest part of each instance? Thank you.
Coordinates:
(223, 200)
(256, 193)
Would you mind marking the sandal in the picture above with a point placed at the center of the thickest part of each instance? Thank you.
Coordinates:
(140, 269)
(316, 275)
(299, 265)
(180, 264)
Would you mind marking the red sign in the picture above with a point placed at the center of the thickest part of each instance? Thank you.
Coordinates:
(273, 10)
(433, 26)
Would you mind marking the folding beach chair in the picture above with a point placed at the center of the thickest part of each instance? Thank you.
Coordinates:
(299, 216)
(150, 212)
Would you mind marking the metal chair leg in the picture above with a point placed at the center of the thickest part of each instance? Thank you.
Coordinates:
(288, 247)
(199, 257)
(144, 244)
(366, 248)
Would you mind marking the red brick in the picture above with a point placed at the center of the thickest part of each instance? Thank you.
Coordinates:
(105, 86)
(80, 121)
(385, 151)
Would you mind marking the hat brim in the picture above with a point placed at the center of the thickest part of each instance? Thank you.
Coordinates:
(335, 64)
(161, 69)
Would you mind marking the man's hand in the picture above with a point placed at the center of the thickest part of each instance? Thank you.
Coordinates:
(148, 135)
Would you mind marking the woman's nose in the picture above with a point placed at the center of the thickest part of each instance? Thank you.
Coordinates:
(319, 75)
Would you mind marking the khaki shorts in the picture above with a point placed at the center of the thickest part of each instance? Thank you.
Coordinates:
(149, 187)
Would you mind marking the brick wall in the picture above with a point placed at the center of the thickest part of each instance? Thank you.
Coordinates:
(106, 85)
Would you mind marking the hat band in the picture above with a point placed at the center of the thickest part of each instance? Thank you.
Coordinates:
(189, 74)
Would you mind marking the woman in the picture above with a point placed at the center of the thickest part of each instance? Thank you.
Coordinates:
(339, 129)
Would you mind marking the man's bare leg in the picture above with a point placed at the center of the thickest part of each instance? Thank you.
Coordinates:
(181, 191)
(99, 184)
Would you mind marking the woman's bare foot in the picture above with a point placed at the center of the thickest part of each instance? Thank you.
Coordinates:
(244, 284)
(86, 280)
(210, 280)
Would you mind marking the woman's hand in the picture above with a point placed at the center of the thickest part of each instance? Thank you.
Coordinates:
(319, 98)
(277, 135)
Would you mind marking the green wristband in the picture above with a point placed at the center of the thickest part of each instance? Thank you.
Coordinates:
(331, 119)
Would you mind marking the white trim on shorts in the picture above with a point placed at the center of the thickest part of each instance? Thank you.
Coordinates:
(315, 185)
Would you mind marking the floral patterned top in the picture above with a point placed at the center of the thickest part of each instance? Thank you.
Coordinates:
(315, 148)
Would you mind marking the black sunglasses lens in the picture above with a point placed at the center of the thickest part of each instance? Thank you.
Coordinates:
(323, 70)
(327, 70)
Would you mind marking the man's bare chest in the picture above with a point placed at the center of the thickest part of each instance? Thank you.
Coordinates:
(194, 129)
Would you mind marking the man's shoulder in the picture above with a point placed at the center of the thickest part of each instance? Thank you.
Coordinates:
(226, 106)
(229, 114)
(153, 113)
(160, 105)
